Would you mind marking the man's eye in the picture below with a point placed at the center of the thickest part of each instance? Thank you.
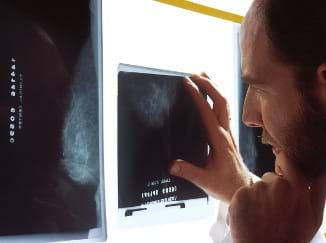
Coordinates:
(258, 90)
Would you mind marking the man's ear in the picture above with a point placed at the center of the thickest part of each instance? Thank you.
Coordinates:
(320, 87)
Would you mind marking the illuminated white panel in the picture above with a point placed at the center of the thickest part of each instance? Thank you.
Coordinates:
(152, 34)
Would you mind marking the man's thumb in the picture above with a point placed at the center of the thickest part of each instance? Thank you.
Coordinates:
(318, 195)
(188, 171)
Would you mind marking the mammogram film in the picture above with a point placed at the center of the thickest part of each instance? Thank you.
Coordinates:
(49, 123)
(157, 123)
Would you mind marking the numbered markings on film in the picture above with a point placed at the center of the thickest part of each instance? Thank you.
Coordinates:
(16, 106)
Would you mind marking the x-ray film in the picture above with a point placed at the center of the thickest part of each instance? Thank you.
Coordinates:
(157, 122)
(50, 123)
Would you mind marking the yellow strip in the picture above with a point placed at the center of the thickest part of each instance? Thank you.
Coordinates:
(204, 10)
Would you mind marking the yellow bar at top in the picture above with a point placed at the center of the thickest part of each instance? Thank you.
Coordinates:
(199, 8)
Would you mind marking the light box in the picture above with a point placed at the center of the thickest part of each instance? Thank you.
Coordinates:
(157, 122)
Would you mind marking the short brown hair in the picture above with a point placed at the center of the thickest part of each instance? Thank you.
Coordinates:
(296, 29)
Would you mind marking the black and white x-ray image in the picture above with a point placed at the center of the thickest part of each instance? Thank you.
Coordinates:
(157, 123)
(50, 123)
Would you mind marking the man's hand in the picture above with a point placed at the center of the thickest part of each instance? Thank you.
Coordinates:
(278, 208)
(224, 172)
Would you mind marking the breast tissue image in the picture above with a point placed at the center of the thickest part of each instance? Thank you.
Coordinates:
(157, 122)
(49, 167)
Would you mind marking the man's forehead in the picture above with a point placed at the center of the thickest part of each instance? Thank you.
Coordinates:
(257, 57)
(255, 47)
(249, 34)
(250, 26)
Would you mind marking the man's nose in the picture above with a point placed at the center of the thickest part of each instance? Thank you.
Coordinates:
(251, 114)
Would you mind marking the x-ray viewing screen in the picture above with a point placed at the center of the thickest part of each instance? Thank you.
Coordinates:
(157, 123)
(50, 118)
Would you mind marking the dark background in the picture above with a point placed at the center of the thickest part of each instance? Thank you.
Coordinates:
(67, 22)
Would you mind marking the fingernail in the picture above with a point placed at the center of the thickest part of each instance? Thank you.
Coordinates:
(187, 79)
(206, 75)
(175, 168)
(189, 82)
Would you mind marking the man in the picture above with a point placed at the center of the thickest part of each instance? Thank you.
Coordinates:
(283, 60)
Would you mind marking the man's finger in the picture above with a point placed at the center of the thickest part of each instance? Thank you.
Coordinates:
(204, 74)
(318, 195)
(207, 116)
(224, 119)
(269, 177)
(291, 172)
(220, 104)
(189, 172)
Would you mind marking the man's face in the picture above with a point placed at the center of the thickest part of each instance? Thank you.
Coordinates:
(274, 101)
